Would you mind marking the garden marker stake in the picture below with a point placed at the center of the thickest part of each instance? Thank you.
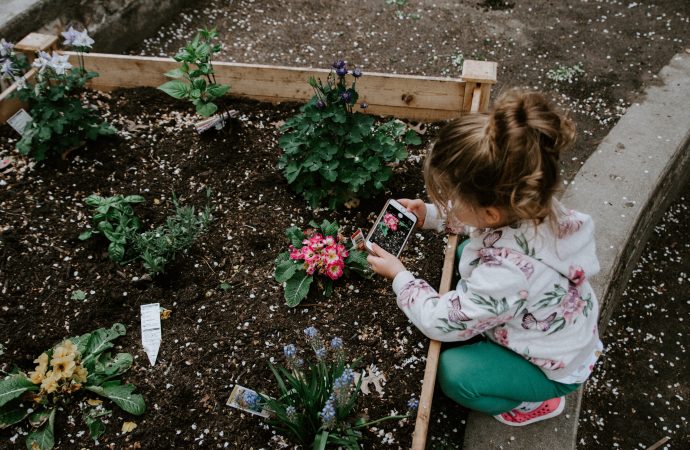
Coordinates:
(217, 121)
(151, 330)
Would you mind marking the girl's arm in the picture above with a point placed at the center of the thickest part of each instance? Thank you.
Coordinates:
(490, 297)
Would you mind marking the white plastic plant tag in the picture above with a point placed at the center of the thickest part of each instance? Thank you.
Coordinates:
(151, 330)
(19, 121)
(247, 400)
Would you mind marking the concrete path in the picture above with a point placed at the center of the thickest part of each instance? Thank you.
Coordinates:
(626, 185)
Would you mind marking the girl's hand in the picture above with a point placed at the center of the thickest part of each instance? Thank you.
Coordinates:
(383, 263)
(416, 207)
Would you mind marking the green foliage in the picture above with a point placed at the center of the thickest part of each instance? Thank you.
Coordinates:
(60, 122)
(317, 401)
(332, 154)
(565, 73)
(78, 363)
(115, 219)
(195, 80)
(78, 295)
(317, 251)
(158, 247)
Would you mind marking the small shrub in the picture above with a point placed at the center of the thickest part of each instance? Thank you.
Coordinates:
(331, 153)
(63, 372)
(199, 85)
(318, 251)
(60, 122)
(317, 400)
(115, 219)
(565, 73)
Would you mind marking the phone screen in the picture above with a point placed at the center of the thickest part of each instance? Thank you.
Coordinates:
(392, 230)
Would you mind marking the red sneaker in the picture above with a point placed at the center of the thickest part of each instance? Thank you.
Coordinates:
(548, 409)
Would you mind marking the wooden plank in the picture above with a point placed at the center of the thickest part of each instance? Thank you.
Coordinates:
(419, 98)
(467, 101)
(424, 412)
(32, 43)
(8, 105)
(486, 95)
(479, 71)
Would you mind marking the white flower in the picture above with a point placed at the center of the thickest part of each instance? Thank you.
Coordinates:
(42, 61)
(70, 35)
(5, 48)
(59, 63)
(83, 40)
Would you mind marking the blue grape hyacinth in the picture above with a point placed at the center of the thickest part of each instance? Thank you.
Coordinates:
(346, 96)
(357, 72)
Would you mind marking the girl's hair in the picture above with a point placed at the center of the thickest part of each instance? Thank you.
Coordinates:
(507, 158)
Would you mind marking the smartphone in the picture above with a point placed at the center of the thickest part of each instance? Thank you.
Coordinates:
(392, 228)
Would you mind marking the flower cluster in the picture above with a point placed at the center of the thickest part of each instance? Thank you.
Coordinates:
(12, 64)
(77, 39)
(321, 254)
(55, 62)
(391, 221)
(66, 374)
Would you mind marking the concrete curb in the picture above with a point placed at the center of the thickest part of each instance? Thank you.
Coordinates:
(626, 185)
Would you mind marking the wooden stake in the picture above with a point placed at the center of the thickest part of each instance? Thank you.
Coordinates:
(659, 443)
(425, 398)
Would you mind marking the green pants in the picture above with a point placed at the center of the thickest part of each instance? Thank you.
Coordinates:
(484, 376)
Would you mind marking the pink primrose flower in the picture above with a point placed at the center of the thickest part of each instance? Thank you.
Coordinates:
(391, 221)
(342, 251)
(309, 254)
(334, 271)
(328, 241)
(331, 255)
(310, 268)
(296, 253)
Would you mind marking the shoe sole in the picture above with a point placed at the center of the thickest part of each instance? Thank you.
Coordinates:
(554, 413)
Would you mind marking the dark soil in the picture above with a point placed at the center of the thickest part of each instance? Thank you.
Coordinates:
(214, 338)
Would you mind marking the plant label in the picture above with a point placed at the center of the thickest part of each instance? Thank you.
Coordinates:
(375, 377)
(247, 400)
(358, 239)
(19, 121)
(151, 330)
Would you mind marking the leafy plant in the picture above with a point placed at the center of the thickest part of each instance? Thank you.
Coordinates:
(565, 73)
(198, 81)
(76, 364)
(158, 247)
(60, 122)
(317, 401)
(333, 154)
(115, 219)
(317, 251)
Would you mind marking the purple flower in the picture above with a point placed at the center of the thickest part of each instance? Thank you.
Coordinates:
(357, 72)
(320, 352)
(328, 414)
(76, 38)
(7, 70)
(251, 400)
(291, 412)
(346, 96)
(341, 71)
(363, 105)
(311, 332)
(290, 351)
(339, 64)
(413, 404)
(42, 61)
(320, 104)
(336, 343)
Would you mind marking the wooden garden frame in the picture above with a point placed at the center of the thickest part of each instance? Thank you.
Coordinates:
(403, 96)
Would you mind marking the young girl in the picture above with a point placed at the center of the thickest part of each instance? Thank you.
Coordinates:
(523, 270)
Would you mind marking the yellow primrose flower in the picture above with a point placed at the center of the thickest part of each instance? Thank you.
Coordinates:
(66, 348)
(50, 382)
(80, 374)
(42, 362)
(63, 367)
(36, 377)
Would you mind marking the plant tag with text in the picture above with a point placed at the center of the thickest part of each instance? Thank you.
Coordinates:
(19, 121)
(247, 400)
(151, 330)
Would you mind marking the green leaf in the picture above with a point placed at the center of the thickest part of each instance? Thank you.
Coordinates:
(297, 288)
(175, 88)
(43, 438)
(95, 425)
(285, 271)
(175, 73)
(412, 138)
(85, 235)
(39, 418)
(217, 90)
(320, 441)
(13, 386)
(206, 109)
(78, 295)
(101, 340)
(329, 228)
(296, 236)
(12, 415)
(122, 396)
(116, 251)
(134, 199)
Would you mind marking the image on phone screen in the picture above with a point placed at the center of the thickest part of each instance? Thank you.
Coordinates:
(392, 230)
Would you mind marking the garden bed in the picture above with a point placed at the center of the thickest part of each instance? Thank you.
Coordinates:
(216, 336)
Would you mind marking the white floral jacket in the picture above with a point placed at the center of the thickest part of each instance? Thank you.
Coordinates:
(523, 287)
